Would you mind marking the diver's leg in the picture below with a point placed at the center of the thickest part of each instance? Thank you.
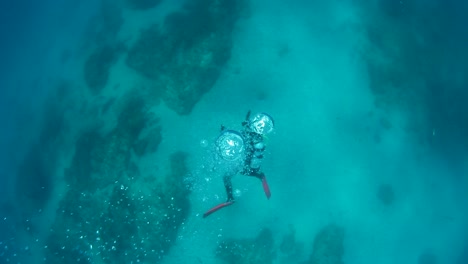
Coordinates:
(228, 186)
(230, 199)
(261, 176)
(253, 173)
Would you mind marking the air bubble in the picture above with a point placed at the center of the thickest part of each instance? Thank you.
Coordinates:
(204, 143)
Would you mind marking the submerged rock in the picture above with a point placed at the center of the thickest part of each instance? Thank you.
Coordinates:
(126, 221)
(149, 143)
(36, 173)
(248, 251)
(100, 160)
(102, 40)
(290, 249)
(34, 180)
(184, 57)
(109, 214)
(98, 65)
(328, 246)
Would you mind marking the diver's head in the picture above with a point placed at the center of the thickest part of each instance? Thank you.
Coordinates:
(261, 123)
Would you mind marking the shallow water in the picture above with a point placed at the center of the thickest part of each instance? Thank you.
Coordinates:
(367, 162)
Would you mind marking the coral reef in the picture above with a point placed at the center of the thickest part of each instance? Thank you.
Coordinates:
(419, 65)
(185, 55)
(405, 54)
(417, 62)
(328, 246)
(34, 180)
(148, 143)
(97, 66)
(248, 251)
(103, 29)
(393, 63)
(100, 159)
(290, 249)
(123, 221)
(103, 42)
(109, 213)
(36, 172)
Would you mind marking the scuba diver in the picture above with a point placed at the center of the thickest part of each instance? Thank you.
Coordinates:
(248, 147)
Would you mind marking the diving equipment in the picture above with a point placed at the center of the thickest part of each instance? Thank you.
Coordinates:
(261, 123)
(230, 145)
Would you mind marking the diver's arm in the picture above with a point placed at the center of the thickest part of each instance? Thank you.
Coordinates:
(246, 121)
(247, 116)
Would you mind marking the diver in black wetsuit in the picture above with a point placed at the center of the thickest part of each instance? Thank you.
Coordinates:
(255, 128)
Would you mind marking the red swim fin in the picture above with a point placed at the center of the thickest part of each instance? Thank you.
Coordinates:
(266, 188)
(216, 208)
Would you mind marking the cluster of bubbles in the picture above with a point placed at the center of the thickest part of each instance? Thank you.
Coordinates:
(230, 144)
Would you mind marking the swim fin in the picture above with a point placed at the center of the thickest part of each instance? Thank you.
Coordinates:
(266, 188)
(216, 208)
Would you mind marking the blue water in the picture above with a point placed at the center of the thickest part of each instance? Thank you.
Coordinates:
(368, 162)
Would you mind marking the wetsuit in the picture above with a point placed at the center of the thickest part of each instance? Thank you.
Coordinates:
(254, 148)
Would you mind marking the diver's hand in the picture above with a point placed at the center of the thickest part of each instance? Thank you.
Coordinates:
(246, 121)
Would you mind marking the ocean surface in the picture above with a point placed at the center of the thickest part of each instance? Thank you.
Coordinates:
(111, 114)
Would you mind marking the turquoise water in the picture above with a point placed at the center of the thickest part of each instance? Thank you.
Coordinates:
(111, 111)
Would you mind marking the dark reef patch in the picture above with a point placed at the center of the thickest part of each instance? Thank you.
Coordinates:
(99, 160)
(37, 171)
(103, 43)
(122, 221)
(291, 250)
(105, 26)
(184, 57)
(148, 143)
(98, 65)
(328, 246)
(260, 250)
(418, 62)
(34, 180)
(110, 214)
